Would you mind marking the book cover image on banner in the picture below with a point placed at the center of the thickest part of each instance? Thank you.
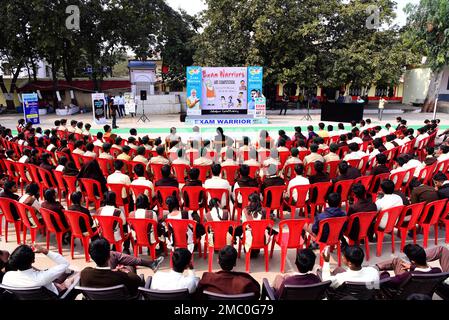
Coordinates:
(224, 91)
(194, 79)
(31, 108)
(99, 108)
(255, 87)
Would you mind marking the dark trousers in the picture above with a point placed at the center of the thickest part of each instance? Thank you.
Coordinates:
(121, 110)
(114, 122)
(284, 108)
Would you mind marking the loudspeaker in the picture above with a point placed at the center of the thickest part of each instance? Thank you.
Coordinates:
(143, 95)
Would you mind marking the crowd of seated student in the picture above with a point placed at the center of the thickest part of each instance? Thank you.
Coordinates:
(271, 171)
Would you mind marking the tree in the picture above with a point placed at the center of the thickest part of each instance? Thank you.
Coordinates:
(429, 21)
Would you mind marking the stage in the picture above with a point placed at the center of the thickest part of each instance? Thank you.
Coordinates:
(222, 120)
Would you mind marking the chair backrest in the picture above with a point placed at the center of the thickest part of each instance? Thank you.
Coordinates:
(22, 168)
(414, 211)
(331, 168)
(50, 223)
(335, 226)
(365, 181)
(219, 194)
(344, 188)
(398, 179)
(303, 154)
(6, 205)
(115, 293)
(283, 156)
(108, 225)
(70, 182)
(277, 196)
(365, 220)
(115, 151)
(77, 159)
(195, 197)
(164, 295)
(73, 218)
(140, 226)
(89, 186)
(106, 166)
(289, 171)
(245, 192)
(375, 184)
(156, 169)
(47, 179)
(230, 173)
(358, 290)
(163, 193)
(321, 190)
(393, 216)
(25, 212)
(180, 171)
(309, 170)
(253, 171)
(302, 193)
(30, 293)
(118, 189)
(311, 292)
(204, 170)
(179, 230)
(442, 166)
(436, 209)
(138, 190)
(258, 228)
(293, 228)
(354, 163)
(34, 173)
(421, 284)
(220, 231)
(425, 174)
(60, 180)
(193, 155)
(230, 297)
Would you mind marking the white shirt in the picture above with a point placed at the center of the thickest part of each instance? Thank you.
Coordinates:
(174, 281)
(355, 140)
(119, 178)
(297, 181)
(142, 181)
(50, 147)
(119, 100)
(35, 278)
(367, 274)
(59, 168)
(217, 183)
(387, 202)
(23, 159)
(355, 155)
(443, 157)
(98, 143)
(90, 154)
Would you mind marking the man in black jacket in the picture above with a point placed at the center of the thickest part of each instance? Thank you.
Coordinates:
(442, 184)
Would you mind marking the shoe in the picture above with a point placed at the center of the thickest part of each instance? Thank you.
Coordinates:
(314, 246)
(157, 263)
(126, 251)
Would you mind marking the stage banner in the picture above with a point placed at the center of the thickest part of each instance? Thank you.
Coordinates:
(225, 91)
(99, 108)
(31, 108)
(255, 87)
(130, 103)
(260, 108)
(194, 91)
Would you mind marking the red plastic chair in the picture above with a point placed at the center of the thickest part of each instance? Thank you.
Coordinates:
(192, 156)
(283, 156)
(73, 218)
(5, 205)
(414, 211)
(177, 230)
(34, 170)
(319, 191)
(108, 225)
(435, 209)
(442, 166)
(219, 194)
(156, 171)
(25, 212)
(410, 174)
(363, 166)
(343, 151)
(335, 226)
(263, 155)
(277, 200)
(197, 199)
(393, 216)
(162, 193)
(288, 239)
(106, 166)
(118, 189)
(141, 226)
(89, 186)
(180, 171)
(204, 172)
(258, 229)
(220, 230)
(426, 174)
(344, 189)
(244, 193)
(355, 163)
(365, 220)
(11, 170)
(301, 202)
(62, 188)
(289, 172)
(230, 173)
(375, 184)
(52, 228)
(70, 182)
(365, 181)
(77, 160)
(115, 152)
(331, 168)
(138, 190)
(21, 169)
(310, 170)
(254, 171)
(398, 179)
(303, 154)
(47, 180)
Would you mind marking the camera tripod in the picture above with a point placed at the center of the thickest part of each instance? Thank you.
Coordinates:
(307, 117)
(143, 117)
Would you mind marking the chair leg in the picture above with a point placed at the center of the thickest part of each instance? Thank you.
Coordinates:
(171, 261)
(59, 241)
(403, 233)
(152, 252)
(367, 248)
(85, 241)
(380, 239)
(1, 224)
(266, 254)
(48, 239)
(6, 231)
(205, 249)
(247, 260)
(72, 247)
(283, 257)
(425, 235)
(119, 246)
(272, 248)
(339, 253)
(392, 242)
(136, 250)
(211, 256)
(436, 233)
(24, 234)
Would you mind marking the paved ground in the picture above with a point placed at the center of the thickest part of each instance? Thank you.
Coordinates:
(159, 126)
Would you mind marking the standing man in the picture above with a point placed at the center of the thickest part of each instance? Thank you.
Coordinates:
(120, 103)
(114, 109)
(382, 102)
(284, 106)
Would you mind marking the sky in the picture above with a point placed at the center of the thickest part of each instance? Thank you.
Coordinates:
(195, 6)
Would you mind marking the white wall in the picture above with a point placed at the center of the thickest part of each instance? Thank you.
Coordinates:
(416, 84)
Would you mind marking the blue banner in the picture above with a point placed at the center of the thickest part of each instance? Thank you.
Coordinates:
(255, 87)
(194, 90)
(31, 108)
